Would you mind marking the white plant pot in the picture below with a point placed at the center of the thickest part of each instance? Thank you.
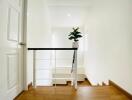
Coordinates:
(75, 45)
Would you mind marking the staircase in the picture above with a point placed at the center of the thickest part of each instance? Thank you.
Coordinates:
(62, 81)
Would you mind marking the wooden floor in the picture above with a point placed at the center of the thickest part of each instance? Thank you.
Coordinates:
(84, 92)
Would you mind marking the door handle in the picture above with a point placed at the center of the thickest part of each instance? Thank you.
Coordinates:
(22, 44)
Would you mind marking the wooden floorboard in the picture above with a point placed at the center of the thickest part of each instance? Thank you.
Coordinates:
(84, 92)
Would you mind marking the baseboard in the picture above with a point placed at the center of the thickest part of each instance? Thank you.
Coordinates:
(88, 81)
(18, 95)
(104, 84)
(120, 89)
(30, 85)
(60, 84)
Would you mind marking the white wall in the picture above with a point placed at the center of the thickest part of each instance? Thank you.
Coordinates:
(40, 34)
(60, 40)
(109, 50)
(38, 30)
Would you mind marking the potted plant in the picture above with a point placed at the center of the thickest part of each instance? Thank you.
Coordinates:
(75, 35)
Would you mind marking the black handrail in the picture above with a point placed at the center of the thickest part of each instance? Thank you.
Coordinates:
(52, 48)
(58, 49)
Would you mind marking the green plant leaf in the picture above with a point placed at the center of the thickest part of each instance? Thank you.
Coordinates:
(71, 37)
(75, 34)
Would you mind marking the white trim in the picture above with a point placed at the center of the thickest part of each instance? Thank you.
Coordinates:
(24, 7)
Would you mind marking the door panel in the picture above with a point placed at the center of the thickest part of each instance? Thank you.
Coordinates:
(12, 70)
(11, 73)
(13, 24)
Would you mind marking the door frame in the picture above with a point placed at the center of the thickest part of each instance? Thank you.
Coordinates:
(24, 27)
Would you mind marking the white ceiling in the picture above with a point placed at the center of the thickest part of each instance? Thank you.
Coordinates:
(68, 13)
(69, 2)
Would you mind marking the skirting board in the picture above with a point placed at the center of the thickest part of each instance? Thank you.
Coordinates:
(30, 85)
(88, 81)
(120, 89)
(18, 95)
(104, 84)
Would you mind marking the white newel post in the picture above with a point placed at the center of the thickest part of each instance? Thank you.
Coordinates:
(74, 73)
(34, 68)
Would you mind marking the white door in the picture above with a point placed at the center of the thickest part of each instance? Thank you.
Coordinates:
(11, 63)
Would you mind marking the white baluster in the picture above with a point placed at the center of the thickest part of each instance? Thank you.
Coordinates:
(75, 70)
(34, 68)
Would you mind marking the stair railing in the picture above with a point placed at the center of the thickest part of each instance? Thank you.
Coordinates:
(74, 64)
